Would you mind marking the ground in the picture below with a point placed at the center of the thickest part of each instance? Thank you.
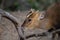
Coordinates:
(8, 31)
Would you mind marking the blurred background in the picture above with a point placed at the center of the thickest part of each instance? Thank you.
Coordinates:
(14, 5)
(19, 9)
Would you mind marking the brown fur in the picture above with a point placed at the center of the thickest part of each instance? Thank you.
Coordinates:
(51, 19)
(33, 21)
(36, 22)
(54, 13)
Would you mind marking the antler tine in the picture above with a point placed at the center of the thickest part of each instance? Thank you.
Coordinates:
(33, 10)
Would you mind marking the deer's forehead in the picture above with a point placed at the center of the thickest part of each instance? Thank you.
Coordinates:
(40, 15)
(30, 12)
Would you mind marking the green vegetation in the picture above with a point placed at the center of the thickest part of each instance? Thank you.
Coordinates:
(26, 4)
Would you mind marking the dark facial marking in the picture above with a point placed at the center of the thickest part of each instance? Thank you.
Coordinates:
(29, 20)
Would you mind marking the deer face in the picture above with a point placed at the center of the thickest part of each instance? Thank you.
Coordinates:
(36, 19)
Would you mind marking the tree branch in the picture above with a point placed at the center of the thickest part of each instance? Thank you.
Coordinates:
(14, 21)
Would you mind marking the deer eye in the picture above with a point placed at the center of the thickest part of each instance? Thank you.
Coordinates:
(29, 20)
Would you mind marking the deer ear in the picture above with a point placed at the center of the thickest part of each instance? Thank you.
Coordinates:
(42, 15)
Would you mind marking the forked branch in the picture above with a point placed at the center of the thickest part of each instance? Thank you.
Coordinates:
(14, 21)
